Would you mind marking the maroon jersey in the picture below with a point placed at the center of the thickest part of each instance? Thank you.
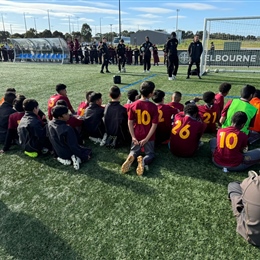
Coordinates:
(176, 105)
(230, 144)
(164, 127)
(14, 120)
(81, 108)
(185, 135)
(53, 100)
(74, 122)
(144, 113)
(219, 99)
(210, 116)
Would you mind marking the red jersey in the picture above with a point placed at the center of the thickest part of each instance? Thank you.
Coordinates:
(176, 105)
(74, 122)
(144, 113)
(164, 127)
(14, 120)
(81, 108)
(53, 100)
(185, 135)
(210, 116)
(219, 99)
(230, 144)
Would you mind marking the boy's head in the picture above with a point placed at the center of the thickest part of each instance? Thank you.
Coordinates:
(224, 88)
(61, 89)
(9, 97)
(61, 103)
(132, 94)
(147, 88)
(191, 110)
(60, 112)
(158, 96)
(31, 105)
(18, 103)
(209, 97)
(247, 92)
(96, 98)
(114, 92)
(239, 119)
(257, 93)
(13, 90)
(176, 96)
(88, 93)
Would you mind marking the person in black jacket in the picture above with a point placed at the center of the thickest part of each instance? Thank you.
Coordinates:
(32, 134)
(64, 139)
(115, 118)
(6, 109)
(105, 54)
(121, 55)
(195, 50)
(172, 56)
(146, 51)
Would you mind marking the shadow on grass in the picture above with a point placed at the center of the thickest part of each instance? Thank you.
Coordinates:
(24, 237)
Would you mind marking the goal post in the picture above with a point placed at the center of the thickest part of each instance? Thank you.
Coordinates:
(231, 44)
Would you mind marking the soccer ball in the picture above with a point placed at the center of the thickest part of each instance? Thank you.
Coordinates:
(208, 70)
(216, 70)
(142, 49)
(151, 48)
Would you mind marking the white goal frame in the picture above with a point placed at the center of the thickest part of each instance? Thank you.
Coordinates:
(207, 55)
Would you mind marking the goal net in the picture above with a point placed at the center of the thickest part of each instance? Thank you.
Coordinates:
(231, 44)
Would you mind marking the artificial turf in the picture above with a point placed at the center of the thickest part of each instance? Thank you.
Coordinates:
(177, 210)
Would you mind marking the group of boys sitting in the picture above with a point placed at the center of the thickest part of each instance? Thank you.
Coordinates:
(144, 125)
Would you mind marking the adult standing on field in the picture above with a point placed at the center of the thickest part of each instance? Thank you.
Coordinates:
(105, 54)
(172, 56)
(146, 50)
(195, 50)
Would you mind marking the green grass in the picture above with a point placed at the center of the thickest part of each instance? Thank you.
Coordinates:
(177, 210)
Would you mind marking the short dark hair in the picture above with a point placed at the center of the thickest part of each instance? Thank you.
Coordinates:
(59, 110)
(178, 93)
(208, 97)
(131, 94)
(60, 87)
(239, 118)
(88, 93)
(247, 91)
(173, 34)
(9, 97)
(61, 102)
(191, 110)
(94, 97)
(10, 90)
(121, 40)
(18, 103)
(158, 96)
(147, 88)
(29, 104)
(257, 93)
(224, 87)
(114, 92)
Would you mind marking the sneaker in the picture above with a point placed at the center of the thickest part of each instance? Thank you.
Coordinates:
(64, 161)
(95, 140)
(124, 70)
(127, 164)
(31, 154)
(174, 77)
(188, 77)
(199, 77)
(104, 139)
(148, 71)
(140, 166)
(102, 71)
(76, 162)
(144, 71)
(108, 71)
(119, 71)
(170, 78)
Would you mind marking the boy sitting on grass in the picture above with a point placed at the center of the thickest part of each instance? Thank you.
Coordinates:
(115, 119)
(142, 123)
(61, 95)
(84, 104)
(229, 149)
(32, 134)
(64, 139)
(176, 98)
(224, 89)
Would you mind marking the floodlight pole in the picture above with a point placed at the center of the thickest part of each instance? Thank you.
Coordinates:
(119, 12)
(25, 25)
(100, 28)
(48, 11)
(69, 25)
(11, 29)
(177, 10)
(3, 23)
(111, 32)
(35, 27)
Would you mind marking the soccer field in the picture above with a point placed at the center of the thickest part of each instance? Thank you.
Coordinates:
(177, 210)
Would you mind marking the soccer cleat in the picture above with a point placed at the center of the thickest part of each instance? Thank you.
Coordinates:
(76, 161)
(95, 140)
(127, 164)
(140, 166)
(104, 139)
(64, 161)
(102, 71)
(188, 77)
(31, 154)
(108, 71)
(170, 78)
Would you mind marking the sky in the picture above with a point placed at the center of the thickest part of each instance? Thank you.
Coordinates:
(103, 15)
